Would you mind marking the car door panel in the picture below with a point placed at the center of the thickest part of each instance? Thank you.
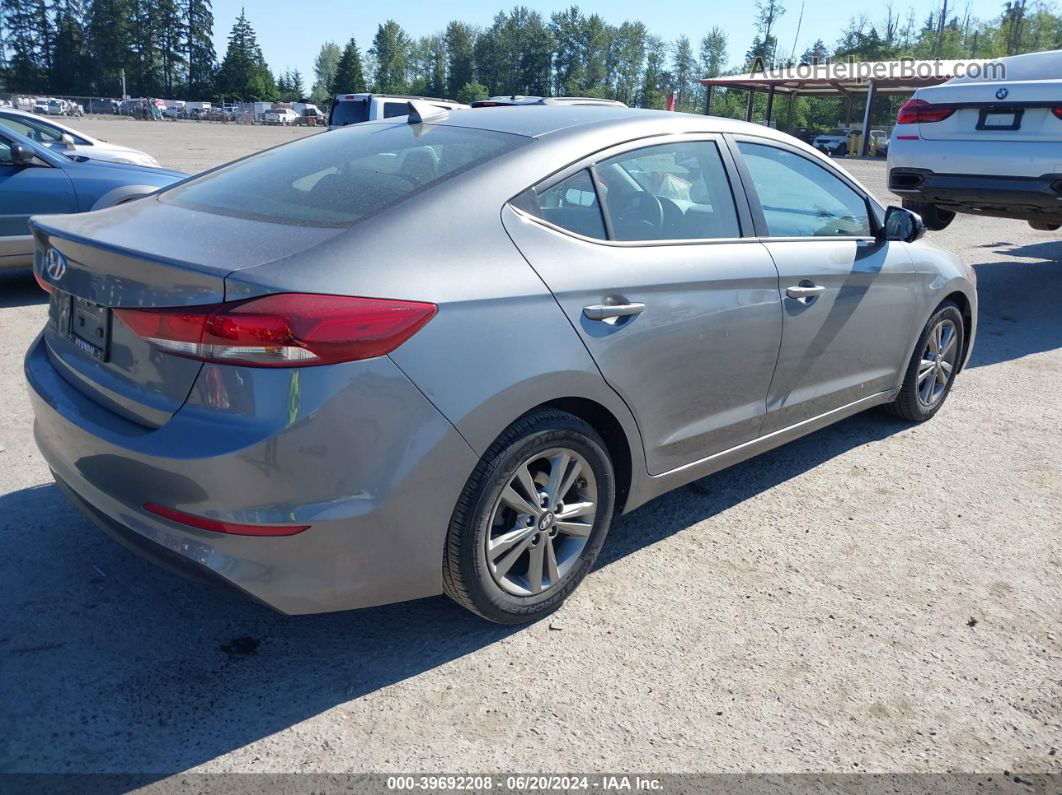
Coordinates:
(27, 190)
(695, 365)
(850, 341)
(848, 298)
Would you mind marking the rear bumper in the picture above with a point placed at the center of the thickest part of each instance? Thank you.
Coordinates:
(367, 462)
(1006, 197)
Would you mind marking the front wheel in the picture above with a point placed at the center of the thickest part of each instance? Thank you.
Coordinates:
(933, 366)
(531, 519)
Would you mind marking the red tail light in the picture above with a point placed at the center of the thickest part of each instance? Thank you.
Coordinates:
(283, 330)
(1057, 110)
(918, 111)
(215, 526)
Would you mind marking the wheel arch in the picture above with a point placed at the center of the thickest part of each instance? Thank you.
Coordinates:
(961, 300)
(611, 431)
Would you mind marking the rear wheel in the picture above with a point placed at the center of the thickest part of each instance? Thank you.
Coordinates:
(934, 218)
(531, 519)
(933, 365)
(1045, 226)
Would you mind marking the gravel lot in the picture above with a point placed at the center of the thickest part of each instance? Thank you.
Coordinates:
(875, 597)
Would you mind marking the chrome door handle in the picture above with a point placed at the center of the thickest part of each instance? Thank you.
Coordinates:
(607, 311)
(801, 292)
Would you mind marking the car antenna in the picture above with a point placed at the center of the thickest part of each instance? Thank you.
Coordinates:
(419, 112)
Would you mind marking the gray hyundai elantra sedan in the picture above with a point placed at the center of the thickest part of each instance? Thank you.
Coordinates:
(438, 354)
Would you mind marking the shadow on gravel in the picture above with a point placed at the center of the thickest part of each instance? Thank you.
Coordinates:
(113, 665)
(1018, 303)
(703, 499)
(19, 288)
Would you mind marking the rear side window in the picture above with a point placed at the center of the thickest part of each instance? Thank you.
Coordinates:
(802, 199)
(572, 204)
(674, 191)
(392, 109)
(339, 178)
(347, 112)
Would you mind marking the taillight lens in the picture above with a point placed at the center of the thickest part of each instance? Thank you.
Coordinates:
(217, 526)
(283, 330)
(918, 111)
(1057, 110)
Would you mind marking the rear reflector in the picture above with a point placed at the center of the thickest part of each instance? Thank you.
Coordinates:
(918, 111)
(215, 526)
(42, 284)
(906, 137)
(283, 330)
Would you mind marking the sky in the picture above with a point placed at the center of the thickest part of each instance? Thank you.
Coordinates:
(291, 34)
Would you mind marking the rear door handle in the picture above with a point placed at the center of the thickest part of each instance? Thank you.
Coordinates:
(607, 311)
(804, 291)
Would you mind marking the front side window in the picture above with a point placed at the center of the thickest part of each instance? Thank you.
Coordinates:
(572, 204)
(342, 177)
(802, 199)
(674, 191)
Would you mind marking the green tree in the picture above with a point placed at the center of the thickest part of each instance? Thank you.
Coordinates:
(199, 53)
(684, 67)
(713, 52)
(626, 61)
(653, 93)
(68, 65)
(390, 49)
(24, 69)
(107, 31)
(171, 36)
(324, 69)
(471, 91)
(244, 73)
(460, 41)
(349, 78)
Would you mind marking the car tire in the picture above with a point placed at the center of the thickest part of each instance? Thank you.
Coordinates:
(494, 549)
(931, 371)
(1045, 226)
(933, 217)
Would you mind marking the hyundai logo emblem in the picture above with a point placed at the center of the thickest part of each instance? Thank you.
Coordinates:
(1002, 93)
(54, 265)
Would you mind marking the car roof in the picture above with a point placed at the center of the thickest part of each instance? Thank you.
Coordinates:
(536, 121)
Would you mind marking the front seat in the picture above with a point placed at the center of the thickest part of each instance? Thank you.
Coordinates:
(420, 166)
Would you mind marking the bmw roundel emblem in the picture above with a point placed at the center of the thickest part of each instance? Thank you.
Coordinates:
(1002, 93)
(54, 264)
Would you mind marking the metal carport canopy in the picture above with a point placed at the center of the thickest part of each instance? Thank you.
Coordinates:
(842, 79)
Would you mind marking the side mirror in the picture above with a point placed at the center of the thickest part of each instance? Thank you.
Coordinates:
(903, 225)
(68, 140)
(22, 155)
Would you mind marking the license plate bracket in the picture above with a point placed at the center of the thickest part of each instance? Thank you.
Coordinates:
(1000, 119)
(83, 323)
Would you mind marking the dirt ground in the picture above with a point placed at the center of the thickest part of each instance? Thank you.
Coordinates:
(874, 597)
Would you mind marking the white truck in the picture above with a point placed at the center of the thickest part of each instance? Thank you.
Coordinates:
(356, 108)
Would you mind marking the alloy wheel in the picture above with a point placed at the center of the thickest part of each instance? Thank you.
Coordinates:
(541, 522)
(938, 362)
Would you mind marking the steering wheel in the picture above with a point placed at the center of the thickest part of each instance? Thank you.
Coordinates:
(640, 212)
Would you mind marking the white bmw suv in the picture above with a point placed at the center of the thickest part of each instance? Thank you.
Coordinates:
(985, 147)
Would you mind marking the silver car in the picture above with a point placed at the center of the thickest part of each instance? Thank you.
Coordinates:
(422, 356)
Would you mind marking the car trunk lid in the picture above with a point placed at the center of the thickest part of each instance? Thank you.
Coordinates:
(995, 111)
(143, 255)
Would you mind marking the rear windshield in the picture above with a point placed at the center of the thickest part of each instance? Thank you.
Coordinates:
(349, 112)
(338, 178)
